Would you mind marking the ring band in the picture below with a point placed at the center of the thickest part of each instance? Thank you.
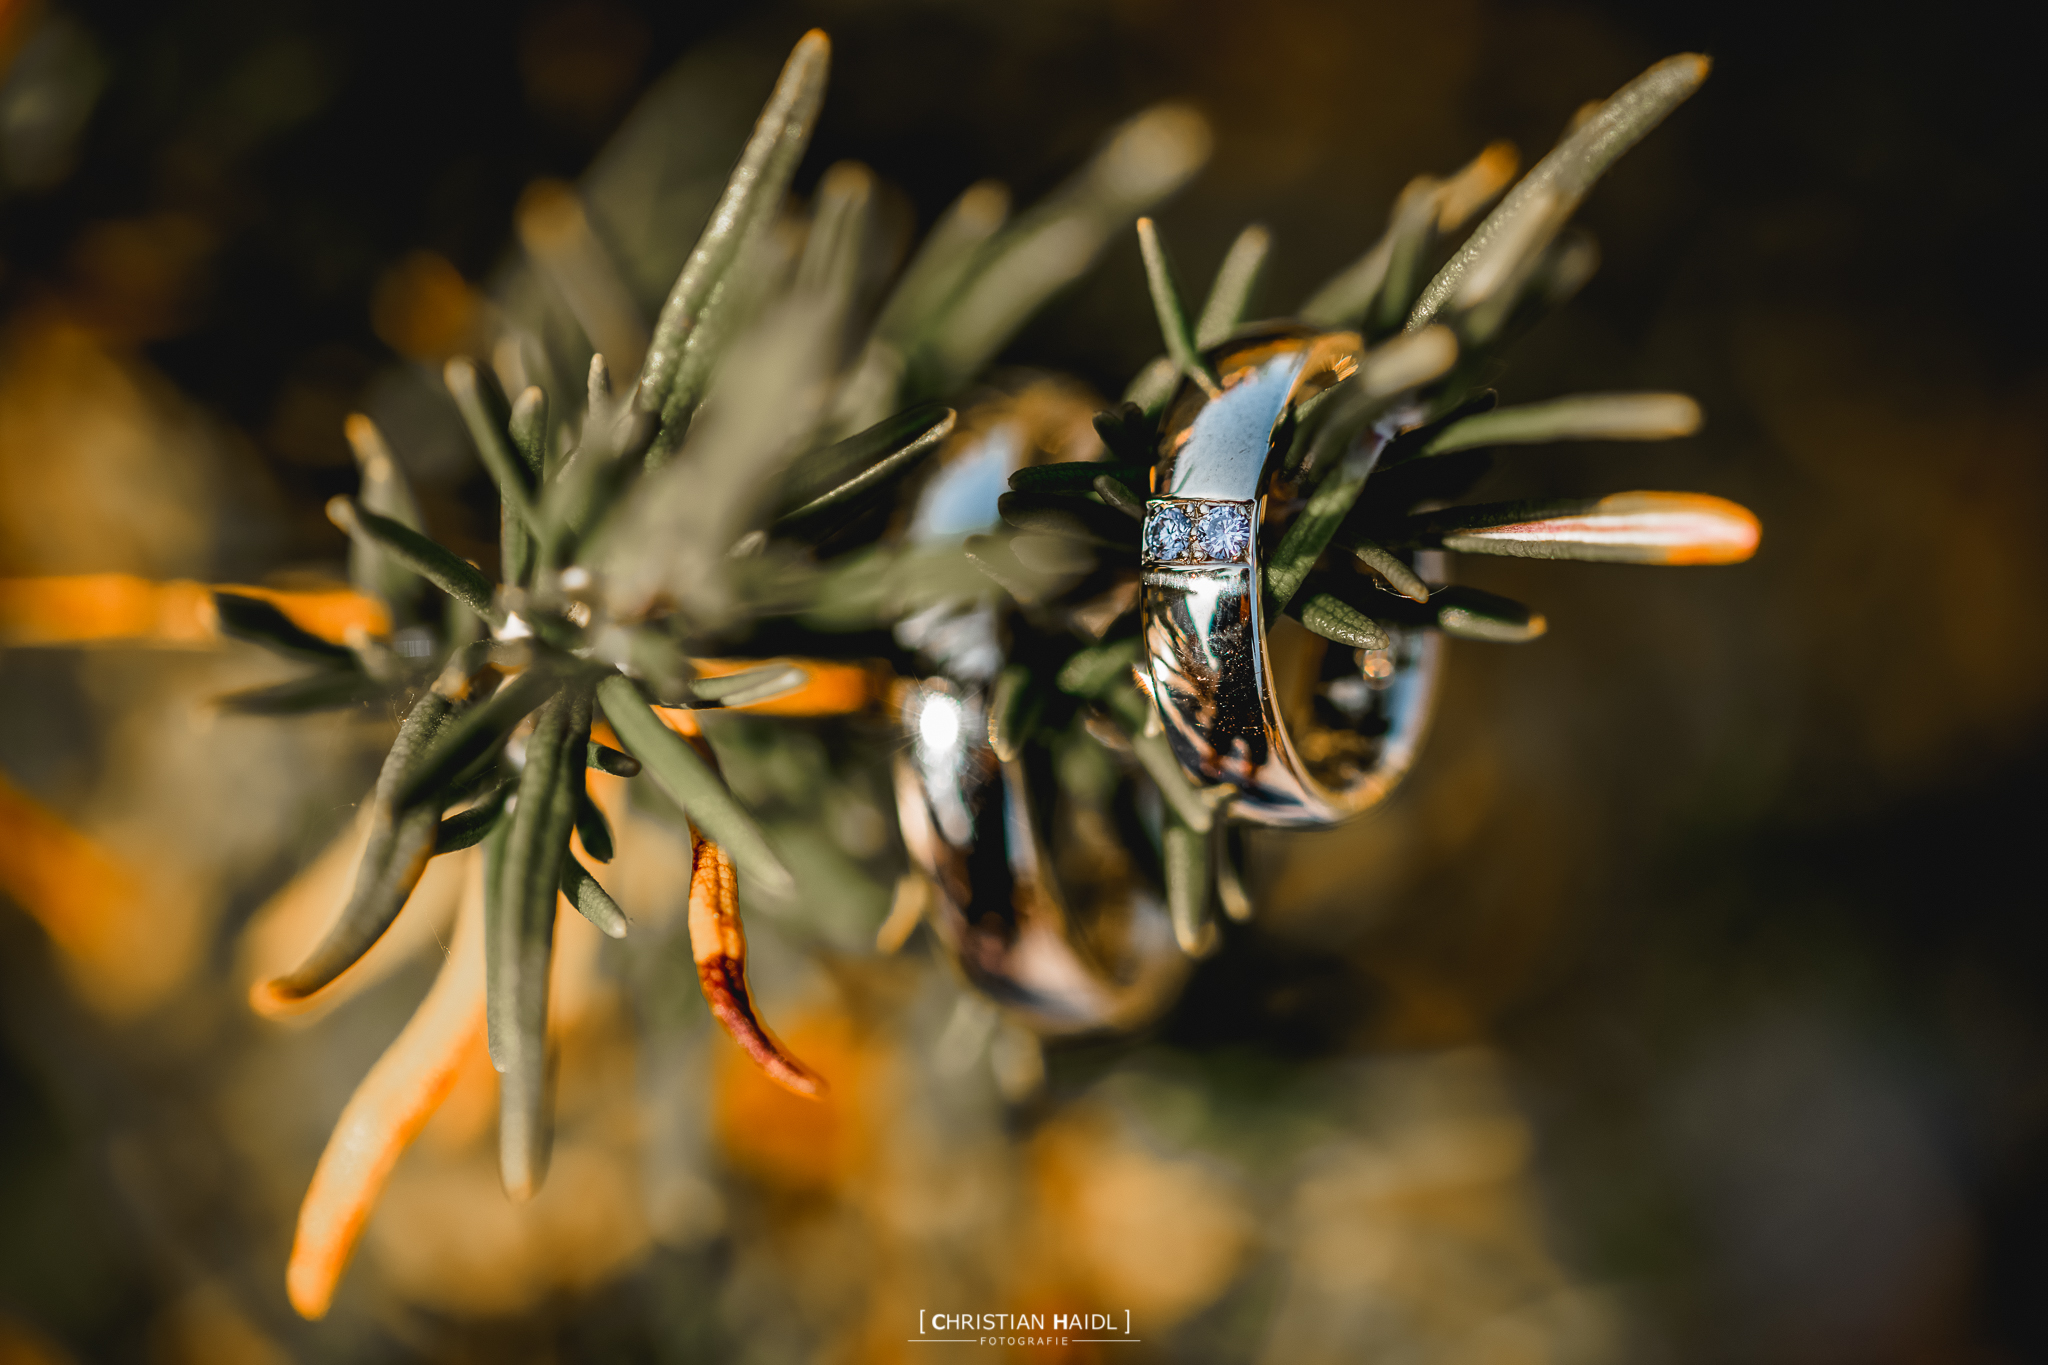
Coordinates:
(1041, 893)
(1068, 955)
(1326, 733)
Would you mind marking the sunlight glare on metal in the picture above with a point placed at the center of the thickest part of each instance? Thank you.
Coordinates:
(938, 723)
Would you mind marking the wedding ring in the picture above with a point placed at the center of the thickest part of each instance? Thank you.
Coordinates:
(1047, 894)
(1296, 732)
(1047, 911)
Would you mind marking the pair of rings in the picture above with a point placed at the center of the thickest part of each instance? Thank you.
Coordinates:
(1045, 895)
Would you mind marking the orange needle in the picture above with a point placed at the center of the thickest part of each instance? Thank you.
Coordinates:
(718, 943)
(388, 1110)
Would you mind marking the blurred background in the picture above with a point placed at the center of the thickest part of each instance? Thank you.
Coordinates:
(1685, 1006)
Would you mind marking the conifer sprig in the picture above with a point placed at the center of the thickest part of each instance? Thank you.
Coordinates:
(774, 415)
(734, 499)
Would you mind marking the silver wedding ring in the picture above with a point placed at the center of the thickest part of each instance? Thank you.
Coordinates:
(1292, 730)
(1045, 895)
(1045, 910)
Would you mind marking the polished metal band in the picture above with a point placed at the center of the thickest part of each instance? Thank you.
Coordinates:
(1306, 734)
(1067, 954)
(1040, 893)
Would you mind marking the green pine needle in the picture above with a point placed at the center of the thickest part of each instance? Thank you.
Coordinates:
(610, 760)
(474, 735)
(400, 843)
(528, 877)
(528, 428)
(477, 399)
(1385, 563)
(468, 828)
(341, 689)
(1331, 617)
(591, 900)
(261, 623)
(1494, 255)
(1173, 319)
(1185, 853)
(442, 567)
(1230, 294)
(750, 685)
(1076, 476)
(688, 781)
(828, 482)
(1114, 493)
(1581, 417)
(752, 194)
(1471, 614)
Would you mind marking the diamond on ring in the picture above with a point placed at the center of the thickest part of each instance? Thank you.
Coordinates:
(1166, 534)
(1224, 532)
(1197, 531)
